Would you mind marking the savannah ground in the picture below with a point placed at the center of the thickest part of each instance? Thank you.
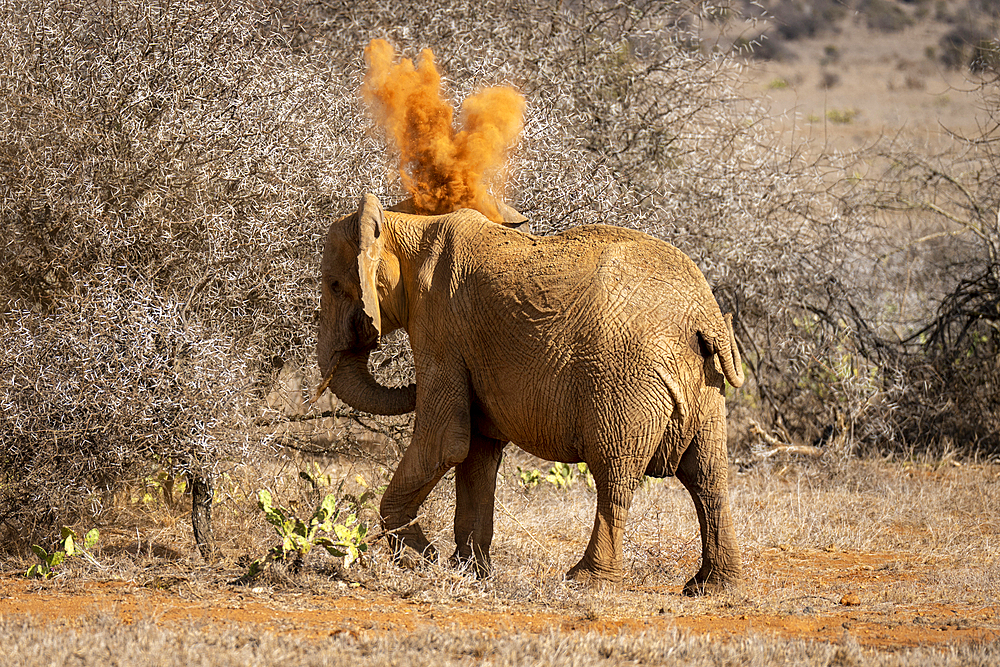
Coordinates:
(846, 562)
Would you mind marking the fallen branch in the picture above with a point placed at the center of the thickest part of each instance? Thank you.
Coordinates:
(779, 447)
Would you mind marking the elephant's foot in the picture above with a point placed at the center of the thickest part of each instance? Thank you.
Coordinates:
(480, 564)
(712, 583)
(589, 574)
(414, 538)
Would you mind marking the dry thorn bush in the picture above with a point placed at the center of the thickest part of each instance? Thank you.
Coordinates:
(937, 337)
(168, 173)
(157, 245)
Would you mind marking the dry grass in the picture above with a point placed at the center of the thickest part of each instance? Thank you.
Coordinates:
(810, 532)
(143, 643)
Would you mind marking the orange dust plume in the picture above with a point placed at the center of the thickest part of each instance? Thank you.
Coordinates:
(442, 168)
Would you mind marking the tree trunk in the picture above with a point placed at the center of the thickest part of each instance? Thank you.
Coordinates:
(201, 513)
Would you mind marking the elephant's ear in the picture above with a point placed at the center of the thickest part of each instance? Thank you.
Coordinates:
(370, 221)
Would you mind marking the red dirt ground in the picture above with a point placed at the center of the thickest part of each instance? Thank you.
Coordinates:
(852, 592)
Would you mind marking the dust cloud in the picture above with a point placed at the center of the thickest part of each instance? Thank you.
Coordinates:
(444, 168)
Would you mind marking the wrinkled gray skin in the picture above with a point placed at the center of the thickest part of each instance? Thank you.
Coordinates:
(600, 344)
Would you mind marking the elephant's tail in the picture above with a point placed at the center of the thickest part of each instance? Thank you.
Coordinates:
(723, 344)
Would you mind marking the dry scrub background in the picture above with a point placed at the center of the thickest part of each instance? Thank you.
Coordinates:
(167, 173)
(170, 171)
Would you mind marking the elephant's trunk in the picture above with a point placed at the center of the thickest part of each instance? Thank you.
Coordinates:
(347, 375)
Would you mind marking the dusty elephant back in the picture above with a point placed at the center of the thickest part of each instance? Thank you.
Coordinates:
(669, 283)
(638, 287)
(638, 272)
(588, 282)
(614, 267)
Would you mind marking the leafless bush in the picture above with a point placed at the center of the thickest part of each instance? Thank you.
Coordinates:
(168, 174)
(884, 16)
(941, 336)
(960, 45)
(102, 387)
(796, 20)
(162, 177)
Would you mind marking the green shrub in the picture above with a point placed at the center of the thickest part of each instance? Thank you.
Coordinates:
(69, 547)
(841, 117)
(333, 527)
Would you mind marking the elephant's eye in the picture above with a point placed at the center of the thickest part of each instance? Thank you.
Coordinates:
(335, 287)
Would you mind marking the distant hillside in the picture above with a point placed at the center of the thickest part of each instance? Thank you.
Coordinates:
(966, 34)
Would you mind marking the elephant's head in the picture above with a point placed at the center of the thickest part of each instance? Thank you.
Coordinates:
(350, 322)
(511, 217)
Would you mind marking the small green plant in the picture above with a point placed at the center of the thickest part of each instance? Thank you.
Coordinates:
(298, 537)
(845, 117)
(528, 479)
(332, 526)
(69, 546)
(561, 475)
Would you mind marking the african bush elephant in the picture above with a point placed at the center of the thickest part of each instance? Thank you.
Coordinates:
(599, 344)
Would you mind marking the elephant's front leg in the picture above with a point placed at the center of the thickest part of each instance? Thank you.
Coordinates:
(407, 490)
(704, 471)
(440, 441)
(475, 488)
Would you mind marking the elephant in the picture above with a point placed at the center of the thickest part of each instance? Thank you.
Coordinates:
(600, 344)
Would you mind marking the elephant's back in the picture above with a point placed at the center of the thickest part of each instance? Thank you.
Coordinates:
(608, 247)
(562, 320)
(605, 270)
(637, 270)
(595, 286)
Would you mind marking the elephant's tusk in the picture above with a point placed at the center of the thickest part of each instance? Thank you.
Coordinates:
(325, 384)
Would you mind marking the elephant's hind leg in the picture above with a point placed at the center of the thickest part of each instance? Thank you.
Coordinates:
(616, 482)
(704, 471)
(475, 486)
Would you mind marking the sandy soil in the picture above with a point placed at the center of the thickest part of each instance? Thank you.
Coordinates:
(855, 586)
